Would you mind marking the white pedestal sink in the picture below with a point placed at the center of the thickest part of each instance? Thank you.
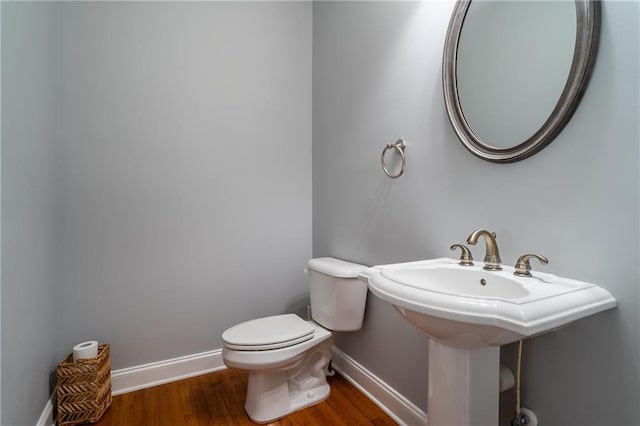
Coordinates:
(468, 313)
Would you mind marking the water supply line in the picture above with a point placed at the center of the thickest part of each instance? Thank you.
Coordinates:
(524, 416)
(518, 368)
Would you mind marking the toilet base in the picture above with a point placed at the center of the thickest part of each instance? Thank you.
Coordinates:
(273, 394)
(265, 405)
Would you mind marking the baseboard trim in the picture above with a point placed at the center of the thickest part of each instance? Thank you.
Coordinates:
(46, 418)
(158, 373)
(384, 396)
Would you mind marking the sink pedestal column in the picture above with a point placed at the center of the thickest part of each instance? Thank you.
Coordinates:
(463, 386)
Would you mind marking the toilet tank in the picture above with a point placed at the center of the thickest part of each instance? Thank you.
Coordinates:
(338, 297)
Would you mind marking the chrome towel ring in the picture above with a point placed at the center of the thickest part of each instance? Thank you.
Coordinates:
(398, 147)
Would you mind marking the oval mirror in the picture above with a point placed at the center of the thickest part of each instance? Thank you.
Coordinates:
(514, 72)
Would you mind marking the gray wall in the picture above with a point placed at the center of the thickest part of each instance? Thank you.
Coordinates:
(157, 189)
(186, 185)
(29, 208)
(377, 77)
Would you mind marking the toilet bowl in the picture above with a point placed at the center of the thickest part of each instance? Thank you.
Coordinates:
(287, 357)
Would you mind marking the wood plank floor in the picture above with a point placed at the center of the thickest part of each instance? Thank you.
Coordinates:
(218, 399)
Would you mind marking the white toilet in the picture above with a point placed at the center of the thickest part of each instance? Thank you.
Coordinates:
(286, 356)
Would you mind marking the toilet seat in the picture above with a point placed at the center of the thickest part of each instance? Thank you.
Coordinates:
(268, 333)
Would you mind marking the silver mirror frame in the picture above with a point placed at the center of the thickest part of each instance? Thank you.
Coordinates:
(584, 55)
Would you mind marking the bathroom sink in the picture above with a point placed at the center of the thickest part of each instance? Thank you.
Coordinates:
(468, 307)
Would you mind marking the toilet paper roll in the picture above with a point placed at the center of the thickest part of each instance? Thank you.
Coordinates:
(85, 350)
(507, 380)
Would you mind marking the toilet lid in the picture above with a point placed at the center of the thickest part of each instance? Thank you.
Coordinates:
(268, 333)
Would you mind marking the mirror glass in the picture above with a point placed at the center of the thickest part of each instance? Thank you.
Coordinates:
(514, 72)
(513, 62)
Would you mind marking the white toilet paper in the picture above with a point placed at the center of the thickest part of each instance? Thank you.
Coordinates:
(507, 380)
(85, 350)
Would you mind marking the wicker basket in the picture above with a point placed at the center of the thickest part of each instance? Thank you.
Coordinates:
(84, 388)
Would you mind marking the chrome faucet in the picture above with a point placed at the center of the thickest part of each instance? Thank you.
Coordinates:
(492, 257)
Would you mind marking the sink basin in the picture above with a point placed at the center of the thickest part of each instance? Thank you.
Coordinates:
(468, 307)
(469, 282)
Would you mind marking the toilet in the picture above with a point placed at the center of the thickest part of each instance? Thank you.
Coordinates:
(287, 357)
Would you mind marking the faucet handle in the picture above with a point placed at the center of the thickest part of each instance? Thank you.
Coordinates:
(523, 267)
(465, 257)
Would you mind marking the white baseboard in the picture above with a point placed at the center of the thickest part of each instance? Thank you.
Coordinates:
(170, 370)
(384, 396)
(144, 376)
(46, 418)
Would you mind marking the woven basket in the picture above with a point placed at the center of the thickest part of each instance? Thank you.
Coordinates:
(84, 388)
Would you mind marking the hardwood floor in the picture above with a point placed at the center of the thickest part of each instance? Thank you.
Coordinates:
(218, 399)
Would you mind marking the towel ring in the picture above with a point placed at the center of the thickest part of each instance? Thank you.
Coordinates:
(398, 147)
